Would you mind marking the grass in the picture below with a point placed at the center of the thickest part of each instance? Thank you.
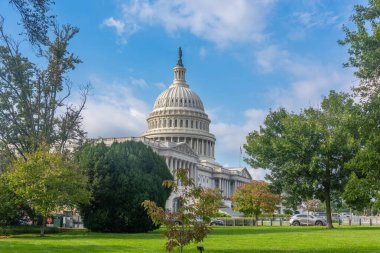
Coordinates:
(222, 239)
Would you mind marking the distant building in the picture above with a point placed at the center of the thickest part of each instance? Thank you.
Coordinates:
(178, 130)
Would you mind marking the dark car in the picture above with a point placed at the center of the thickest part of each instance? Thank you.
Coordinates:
(217, 222)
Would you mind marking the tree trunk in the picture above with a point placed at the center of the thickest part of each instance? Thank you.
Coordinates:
(328, 204)
(43, 226)
(257, 220)
(180, 249)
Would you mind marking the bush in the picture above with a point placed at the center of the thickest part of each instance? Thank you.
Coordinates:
(121, 177)
(25, 229)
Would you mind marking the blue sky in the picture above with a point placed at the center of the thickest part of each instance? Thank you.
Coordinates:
(243, 57)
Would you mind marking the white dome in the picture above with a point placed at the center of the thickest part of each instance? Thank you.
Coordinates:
(178, 96)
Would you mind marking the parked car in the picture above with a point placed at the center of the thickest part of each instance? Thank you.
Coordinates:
(216, 222)
(334, 216)
(306, 220)
(344, 215)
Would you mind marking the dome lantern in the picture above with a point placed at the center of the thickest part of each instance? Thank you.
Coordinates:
(179, 71)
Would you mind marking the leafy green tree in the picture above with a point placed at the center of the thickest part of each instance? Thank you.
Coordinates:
(366, 163)
(364, 55)
(35, 19)
(13, 207)
(121, 177)
(255, 198)
(48, 182)
(306, 152)
(364, 46)
(34, 105)
(190, 223)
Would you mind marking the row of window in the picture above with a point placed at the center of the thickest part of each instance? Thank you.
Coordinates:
(182, 102)
(178, 123)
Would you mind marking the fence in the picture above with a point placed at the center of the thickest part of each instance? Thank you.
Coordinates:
(355, 221)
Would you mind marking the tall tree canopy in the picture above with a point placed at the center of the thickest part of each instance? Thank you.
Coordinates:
(306, 152)
(35, 19)
(364, 55)
(34, 105)
(121, 177)
(364, 46)
(34, 98)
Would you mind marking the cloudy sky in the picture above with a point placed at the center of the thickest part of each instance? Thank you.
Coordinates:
(243, 57)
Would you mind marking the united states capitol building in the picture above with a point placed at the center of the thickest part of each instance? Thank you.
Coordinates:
(179, 131)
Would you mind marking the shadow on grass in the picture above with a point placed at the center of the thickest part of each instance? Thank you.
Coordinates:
(89, 236)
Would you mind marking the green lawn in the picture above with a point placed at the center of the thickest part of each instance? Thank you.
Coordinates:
(230, 239)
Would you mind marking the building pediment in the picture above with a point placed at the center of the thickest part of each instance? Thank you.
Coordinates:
(246, 174)
(184, 148)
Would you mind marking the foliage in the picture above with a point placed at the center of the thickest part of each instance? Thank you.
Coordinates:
(35, 19)
(12, 208)
(48, 182)
(25, 229)
(190, 223)
(306, 152)
(121, 177)
(33, 101)
(364, 55)
(366, 163)
(255, 198)
(356, 193)
(364, 46)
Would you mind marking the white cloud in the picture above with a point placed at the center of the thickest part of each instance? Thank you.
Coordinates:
(139, 82)
(318, 18)
(266, 57)
(117, 24)
(115, 113)
(222, 22)
(309, 80)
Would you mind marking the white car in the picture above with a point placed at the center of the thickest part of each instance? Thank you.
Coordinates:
(306, 220)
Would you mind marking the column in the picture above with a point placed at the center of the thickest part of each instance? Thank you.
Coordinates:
(229, 186)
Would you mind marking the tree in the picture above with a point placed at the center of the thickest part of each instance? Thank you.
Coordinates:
(33, 101)
(121, 177)
(254, 199)
(190, 223)
(48, 182)
(13, 207)
(364, 55)
(35, 19)
(364, 47)
(34, 107)
(306, 153)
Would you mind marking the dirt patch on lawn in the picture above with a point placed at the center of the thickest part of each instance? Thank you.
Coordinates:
(3, 237)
